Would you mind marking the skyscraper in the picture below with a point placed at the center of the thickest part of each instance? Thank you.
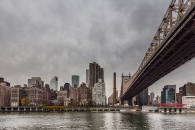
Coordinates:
(142, 98)
(75, 80)
(152, 95)
(95, 73)
(87, 77)
(54, 83)
(168, 94)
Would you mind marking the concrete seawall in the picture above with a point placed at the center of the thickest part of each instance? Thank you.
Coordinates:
(70, 109)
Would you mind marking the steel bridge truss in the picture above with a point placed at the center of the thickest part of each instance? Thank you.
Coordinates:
(171, 47)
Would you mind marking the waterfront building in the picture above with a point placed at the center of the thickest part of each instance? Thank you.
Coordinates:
(4, 92)
(87, 77)
(152, 95)
(54, 83)
(34, 96)
(15, 96)
(142, 98)
(61, 95)
(74, 95)
(4, 95)
(168, 94)
(67, 101)
(75, 80)
(98, 93)
(83, 94)
(35, 81)
(67, 86)
(188, 100)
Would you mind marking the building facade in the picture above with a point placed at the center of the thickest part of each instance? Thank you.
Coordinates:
(67, 86)
(142, 98)
(74, 95)
(54, 83)
(168, 94)
(35, 81)
(75, 80)
(83, 94)
(99, 93)
(189, 101)
(152, 95)
(61, 95)
(95, 73)
(4, 96)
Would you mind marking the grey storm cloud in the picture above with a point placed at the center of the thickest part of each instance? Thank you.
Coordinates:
(47, 38)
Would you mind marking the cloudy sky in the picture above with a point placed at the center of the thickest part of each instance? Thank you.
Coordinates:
(61, 37)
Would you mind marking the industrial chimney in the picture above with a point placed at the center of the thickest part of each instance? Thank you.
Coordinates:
(114, 89)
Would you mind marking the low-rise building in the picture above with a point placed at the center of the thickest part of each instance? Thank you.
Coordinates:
(67, 101)
(61, 95)
(188, 100)
(15, 96)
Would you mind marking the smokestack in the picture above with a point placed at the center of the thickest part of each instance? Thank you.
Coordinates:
(114, 89)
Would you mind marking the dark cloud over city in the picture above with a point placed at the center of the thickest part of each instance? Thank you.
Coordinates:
(60, 38)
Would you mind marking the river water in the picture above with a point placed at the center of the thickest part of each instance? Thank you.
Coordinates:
(96, 121)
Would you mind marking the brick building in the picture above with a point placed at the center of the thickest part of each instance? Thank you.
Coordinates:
(74, 95)
(83, 94)
(4, 96)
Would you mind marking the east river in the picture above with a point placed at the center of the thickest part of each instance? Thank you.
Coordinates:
(96, 121)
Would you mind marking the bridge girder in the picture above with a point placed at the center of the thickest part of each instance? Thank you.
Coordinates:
(175, 33)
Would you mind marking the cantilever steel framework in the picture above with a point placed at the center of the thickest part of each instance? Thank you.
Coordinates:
(172, 46)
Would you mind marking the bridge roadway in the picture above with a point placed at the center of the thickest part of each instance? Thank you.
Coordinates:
(71, 109)
(176, 49)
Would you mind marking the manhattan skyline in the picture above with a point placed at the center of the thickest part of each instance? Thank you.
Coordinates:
(48, 38)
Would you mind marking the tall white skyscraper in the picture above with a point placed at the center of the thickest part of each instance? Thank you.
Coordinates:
(54, 83)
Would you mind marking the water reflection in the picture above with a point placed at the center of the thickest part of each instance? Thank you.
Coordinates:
(96, 121)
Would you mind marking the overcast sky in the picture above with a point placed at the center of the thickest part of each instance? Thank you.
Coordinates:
(46, 38)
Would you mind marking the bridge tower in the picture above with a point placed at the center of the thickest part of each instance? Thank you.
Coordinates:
(124, 80)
